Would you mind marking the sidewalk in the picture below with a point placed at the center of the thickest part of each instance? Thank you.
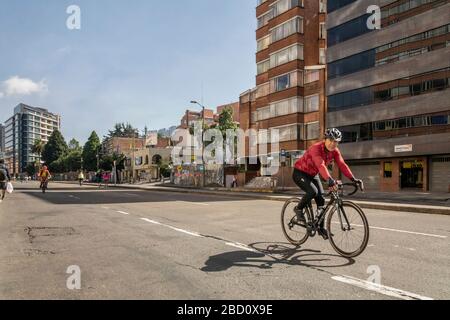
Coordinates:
(430, 203)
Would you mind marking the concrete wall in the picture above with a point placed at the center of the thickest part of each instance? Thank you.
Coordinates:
(422, 22)
(422, 145)
(417, 105)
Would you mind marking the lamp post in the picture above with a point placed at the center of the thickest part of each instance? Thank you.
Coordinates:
(203, 140)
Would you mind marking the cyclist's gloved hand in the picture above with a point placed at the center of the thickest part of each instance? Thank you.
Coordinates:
(331, 182)
(358, 182)
(332, 185)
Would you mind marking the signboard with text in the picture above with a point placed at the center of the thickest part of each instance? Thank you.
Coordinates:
(404, 148)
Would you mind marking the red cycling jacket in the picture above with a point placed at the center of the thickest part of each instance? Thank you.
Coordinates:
(317, 158)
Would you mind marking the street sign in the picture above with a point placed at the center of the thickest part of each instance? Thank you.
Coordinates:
(404, 148)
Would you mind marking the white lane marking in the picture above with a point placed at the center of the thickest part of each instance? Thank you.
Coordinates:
(151, 221)
(132, 194)
(71, 196)
(409, 232)
(106, 208)
(240, 246)
(401, 231)
(389, 291)
(195, 203)
(195, 234)
(123, 212)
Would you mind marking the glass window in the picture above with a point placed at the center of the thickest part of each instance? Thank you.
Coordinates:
(439, 120)
(388, 169)
(312, 103)
(282, 83)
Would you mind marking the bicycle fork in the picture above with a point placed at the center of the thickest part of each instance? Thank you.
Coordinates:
(341, 212)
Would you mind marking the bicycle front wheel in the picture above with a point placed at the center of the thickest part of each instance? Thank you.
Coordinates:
(348, 229)
(294, 231)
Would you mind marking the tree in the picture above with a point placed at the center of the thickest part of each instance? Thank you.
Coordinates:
(30, 169)
(122, 130)
(72, 160)
(90, 152)
(226, 121)
(38, 148)
(55, 147)
(74, 145)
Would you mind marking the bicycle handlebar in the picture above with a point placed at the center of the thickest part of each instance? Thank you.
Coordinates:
(357, 186)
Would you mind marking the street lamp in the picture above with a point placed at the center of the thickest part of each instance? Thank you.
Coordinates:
(203, 139)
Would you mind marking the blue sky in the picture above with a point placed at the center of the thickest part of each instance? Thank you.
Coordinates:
(140, 61)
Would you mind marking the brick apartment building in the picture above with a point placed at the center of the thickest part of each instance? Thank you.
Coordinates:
(290, 85)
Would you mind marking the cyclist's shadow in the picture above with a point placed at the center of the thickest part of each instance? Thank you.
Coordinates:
(265, 255)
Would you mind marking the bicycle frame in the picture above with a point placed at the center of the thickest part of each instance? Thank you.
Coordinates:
(336, 202)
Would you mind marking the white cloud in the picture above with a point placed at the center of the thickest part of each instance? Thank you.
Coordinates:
(16, 86)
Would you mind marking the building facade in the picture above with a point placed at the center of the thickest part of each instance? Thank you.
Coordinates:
(122, 145)
(388, 91)
(233, 106)
(2, 140)
(191, 117)
(290, 81)
(27, 125)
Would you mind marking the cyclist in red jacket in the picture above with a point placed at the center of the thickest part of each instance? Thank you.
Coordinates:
(315, 162)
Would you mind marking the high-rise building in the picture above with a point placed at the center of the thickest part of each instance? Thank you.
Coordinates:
(290, 81)
(388, 90)
(27, 125)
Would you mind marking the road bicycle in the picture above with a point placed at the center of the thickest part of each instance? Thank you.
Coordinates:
(44, 185)
(347, 225)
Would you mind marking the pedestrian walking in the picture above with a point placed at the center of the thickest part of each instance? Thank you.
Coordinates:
(81, 177)
(5, 178)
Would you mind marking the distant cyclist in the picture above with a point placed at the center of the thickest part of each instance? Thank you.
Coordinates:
(44, 175)
(315, 162)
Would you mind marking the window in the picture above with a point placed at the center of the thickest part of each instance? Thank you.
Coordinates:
(312, 130)
(286, 81)
(286, 29)
(264, 19)
(388, 170)
(282, 6)
(312, 103)
(439, 120)
(282, 83)
(263, 90)
(348, 30)
(323, 6)
(336, 4)
(312, 76)
(322, 31)
(263, 67)
(322, 56)
(263, 43)
(286, 55)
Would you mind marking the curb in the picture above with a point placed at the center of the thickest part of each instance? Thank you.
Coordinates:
(440, 210)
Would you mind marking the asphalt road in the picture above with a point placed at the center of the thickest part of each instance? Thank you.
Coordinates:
(132, 244)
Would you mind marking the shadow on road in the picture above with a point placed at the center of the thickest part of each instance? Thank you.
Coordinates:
(90, 196)
(270, 254)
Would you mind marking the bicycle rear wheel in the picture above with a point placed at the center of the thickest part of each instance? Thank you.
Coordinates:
(348, 229)
(294, 231)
